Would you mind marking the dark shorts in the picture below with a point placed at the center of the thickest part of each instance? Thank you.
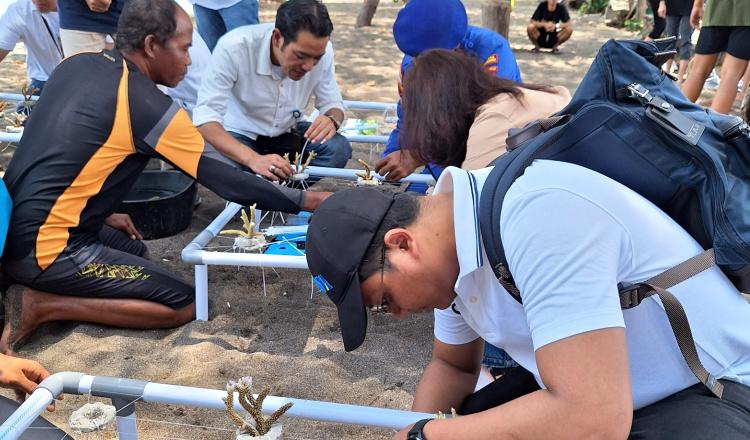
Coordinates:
(546, 39)
(693, 413)
(111, 267)
(734, 40)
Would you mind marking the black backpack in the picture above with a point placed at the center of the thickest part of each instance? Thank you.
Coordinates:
(628, 121)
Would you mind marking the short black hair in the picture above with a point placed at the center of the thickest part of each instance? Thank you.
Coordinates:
(403, 212)
(141, 18)
(303, 15)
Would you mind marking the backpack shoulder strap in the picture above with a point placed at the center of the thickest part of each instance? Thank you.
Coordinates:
(490, 204)
(633, 295)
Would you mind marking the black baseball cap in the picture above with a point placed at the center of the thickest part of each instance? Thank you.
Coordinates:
(340, 231)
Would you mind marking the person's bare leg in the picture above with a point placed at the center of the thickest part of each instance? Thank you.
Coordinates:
(702, 66)
(26, 308)
(745, 80)
(731, 73)
(533, 34)
(745, 97)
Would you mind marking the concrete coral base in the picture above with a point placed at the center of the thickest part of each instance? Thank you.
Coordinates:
(273, 434)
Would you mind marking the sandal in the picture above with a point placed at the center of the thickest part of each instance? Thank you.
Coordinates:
(534, 50)
(556, 51)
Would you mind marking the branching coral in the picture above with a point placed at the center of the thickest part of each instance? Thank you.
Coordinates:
(17, 120)
(440, 414)
(252, 405)
(299, 167)
(28, 92)
(366, 178)
(249, 239)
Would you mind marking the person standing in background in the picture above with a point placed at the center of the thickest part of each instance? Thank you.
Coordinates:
(677, 14)
(214, 18)
(85, 24)
(725, 28)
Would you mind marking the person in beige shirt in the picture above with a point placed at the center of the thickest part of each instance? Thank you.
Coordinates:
(458, 115)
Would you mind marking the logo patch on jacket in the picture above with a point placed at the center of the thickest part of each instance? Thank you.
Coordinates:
(491, 64)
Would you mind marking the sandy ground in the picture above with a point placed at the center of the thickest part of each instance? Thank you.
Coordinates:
(284, 340)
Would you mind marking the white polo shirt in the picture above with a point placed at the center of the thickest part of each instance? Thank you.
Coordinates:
(570, 235)
(245, 93)
(23, 22)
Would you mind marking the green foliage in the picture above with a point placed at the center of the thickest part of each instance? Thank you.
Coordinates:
(368, 131)
(633, 25)
(594, 7)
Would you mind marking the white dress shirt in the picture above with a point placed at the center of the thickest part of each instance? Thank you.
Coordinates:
(242, 91)
(22, 21)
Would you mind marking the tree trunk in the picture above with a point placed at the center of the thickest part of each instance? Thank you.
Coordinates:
(366, 13)
(641, 10)
(496, 16)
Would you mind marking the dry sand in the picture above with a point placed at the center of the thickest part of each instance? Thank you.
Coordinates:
(284, 340)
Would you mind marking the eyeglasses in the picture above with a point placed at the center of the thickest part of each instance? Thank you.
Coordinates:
(383, 307)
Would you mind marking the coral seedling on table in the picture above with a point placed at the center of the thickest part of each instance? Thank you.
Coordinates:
(28, 92)
(18, 119)
(248, 239)
(366, 178)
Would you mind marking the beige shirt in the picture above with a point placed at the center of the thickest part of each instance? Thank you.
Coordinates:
(490, 128)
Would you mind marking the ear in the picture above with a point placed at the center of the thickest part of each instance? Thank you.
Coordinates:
(277, 40)
(149, 46)
(399, 241)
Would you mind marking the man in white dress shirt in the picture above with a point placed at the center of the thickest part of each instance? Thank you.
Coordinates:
(261, 79)
(35, 23)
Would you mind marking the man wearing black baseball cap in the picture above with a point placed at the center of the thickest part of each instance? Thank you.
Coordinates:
(570, 236)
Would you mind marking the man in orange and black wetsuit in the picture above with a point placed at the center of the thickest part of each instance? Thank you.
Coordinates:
(98, 123)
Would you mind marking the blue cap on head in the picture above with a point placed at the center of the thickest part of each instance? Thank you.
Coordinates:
(430, 24)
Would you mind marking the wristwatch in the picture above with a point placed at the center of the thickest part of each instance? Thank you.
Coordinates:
(415, 433)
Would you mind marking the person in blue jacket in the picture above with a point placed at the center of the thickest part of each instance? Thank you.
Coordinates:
(447, 28)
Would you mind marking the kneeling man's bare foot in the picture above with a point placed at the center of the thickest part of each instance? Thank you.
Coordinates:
(19, 322)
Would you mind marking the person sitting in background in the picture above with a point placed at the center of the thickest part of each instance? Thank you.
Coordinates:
(90, 136)
(468, 127)
(260, 79)
(550, 26)
(448, 28)
(34, 22)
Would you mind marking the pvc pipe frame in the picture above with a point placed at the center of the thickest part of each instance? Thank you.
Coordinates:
(125, 391)
(19, 97)
(194, 253)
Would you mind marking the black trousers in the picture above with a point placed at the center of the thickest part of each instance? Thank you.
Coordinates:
(693, 413)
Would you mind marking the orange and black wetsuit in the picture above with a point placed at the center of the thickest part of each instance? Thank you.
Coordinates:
(93, 131)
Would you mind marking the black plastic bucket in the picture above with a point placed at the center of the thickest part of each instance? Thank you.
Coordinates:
(160, 203)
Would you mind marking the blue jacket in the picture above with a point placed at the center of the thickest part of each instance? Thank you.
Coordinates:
(486, 45)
